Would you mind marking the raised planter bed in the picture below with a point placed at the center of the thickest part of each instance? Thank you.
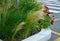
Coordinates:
(21, 21)
(43, 35)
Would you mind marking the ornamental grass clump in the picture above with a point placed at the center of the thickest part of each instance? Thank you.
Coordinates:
(20, 19)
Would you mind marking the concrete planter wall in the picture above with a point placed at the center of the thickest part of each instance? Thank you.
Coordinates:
(0, 40)
(43, 35)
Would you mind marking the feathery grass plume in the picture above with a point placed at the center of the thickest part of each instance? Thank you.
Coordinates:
(32, 17)
(15, 30)
(6, 4)
(35, 16)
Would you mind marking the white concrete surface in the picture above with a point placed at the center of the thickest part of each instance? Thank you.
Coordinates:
(44, 35)
(0, 40)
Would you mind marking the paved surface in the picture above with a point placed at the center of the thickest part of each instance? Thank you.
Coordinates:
(54, 5)
(56, 28)
(58, 39)
(53, 37)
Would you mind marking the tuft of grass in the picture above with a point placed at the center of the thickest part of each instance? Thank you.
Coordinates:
(21, 18)
(45, 23)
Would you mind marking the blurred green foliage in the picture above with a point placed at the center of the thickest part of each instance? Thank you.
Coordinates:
(17, 13)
